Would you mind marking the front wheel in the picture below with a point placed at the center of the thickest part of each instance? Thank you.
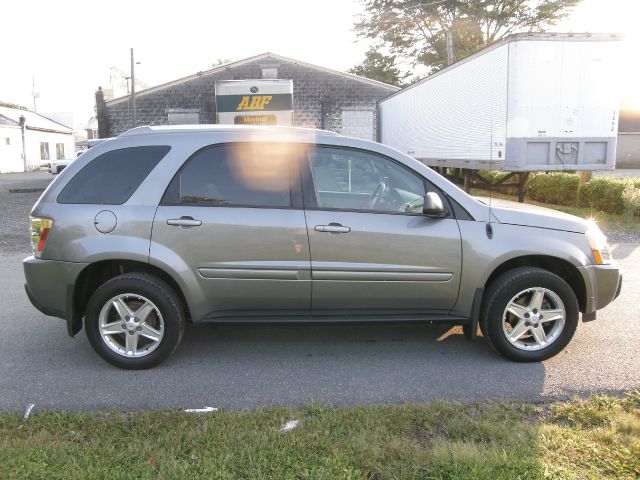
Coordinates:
(134, 321)
(529, 314)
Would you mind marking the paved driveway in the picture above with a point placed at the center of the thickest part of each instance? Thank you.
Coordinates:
(247, 367)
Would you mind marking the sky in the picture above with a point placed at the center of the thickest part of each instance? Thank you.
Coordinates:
(68, 46)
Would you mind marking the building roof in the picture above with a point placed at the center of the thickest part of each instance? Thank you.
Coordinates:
(63, 118)
(92, 123)
(262, 56)
(33, 120)
(8, 122)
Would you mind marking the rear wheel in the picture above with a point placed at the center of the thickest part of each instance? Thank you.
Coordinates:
(134, 321)
(529, 314)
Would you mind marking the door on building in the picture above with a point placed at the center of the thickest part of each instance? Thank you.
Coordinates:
(372, 248)
(358, 124)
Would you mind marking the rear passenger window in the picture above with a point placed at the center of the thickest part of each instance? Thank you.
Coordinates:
(250, 175)
(111, 178)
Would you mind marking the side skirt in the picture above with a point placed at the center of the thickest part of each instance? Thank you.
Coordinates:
(337, 320)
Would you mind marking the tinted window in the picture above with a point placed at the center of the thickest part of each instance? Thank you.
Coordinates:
(253, 175)
(355, 180)
(111, 178)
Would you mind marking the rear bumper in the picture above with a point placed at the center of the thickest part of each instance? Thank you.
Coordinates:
(50, 285)
(603, 285)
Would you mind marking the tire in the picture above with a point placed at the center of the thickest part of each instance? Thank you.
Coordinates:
(529, 314)
(134, 321)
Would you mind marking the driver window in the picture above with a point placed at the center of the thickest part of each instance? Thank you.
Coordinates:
(355, 180)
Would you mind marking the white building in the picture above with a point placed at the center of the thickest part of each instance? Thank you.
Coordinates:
(29, 140)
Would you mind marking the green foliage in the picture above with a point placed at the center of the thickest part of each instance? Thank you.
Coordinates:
(415, 30)
(492, 175)
(554, 188)
(12, 105)
(631, 199)
(593, 438)
(377, 66)
(221, 61)
(595, 412)
(603, 194)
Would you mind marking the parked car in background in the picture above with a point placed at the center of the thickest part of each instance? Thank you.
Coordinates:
(56, 166)
(229, 224)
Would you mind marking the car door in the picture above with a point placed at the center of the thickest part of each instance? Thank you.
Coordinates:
(372, 248)
(231, 222)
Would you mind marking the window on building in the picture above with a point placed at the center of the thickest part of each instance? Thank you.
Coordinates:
(250, 175)
(111, 178)
(7, 141)
(95, 133)
(44, 151)
(60, 151)
(270, 72)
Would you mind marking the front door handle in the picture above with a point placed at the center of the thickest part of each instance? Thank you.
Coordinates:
(332, 228)
(184, 222)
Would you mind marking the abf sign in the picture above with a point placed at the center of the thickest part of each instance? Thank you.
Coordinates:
(255, 102)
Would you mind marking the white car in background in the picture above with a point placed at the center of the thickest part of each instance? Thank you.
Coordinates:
(56, 166)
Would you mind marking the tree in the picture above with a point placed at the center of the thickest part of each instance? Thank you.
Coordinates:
(416, 30)
(377, 66)
(12, 105)
(221, 61)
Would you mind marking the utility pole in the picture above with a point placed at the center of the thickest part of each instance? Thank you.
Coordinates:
(134, 116)
(23, 122)
(34, 94)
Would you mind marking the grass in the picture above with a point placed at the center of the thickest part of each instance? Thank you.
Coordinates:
(608, 221)
(594, 438)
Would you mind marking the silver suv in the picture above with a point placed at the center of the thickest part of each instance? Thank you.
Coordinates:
(221, 224)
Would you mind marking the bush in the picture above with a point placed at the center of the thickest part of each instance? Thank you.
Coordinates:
(602, 194)
(493, 175)
(555, 188)
(605, 194)
(631, 199)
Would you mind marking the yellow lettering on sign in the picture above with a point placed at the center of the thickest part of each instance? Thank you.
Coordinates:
(244, 104)
(258, 102)
(255, 102)
(265, 101)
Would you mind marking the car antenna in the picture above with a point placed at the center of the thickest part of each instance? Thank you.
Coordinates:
(488, 227)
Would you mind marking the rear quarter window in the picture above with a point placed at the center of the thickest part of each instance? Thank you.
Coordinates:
(111, 178)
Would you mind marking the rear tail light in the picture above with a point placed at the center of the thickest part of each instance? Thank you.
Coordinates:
(40, 228)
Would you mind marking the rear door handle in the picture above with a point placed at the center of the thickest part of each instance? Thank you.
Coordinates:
(184, 222)
(332, 228)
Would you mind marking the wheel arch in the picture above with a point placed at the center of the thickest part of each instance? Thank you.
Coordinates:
(564, 269)
(95, 274)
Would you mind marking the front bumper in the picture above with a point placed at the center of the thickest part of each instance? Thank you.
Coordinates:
(603, 284)
(50, 285)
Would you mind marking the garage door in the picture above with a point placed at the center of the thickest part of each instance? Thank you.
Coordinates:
(358, 123)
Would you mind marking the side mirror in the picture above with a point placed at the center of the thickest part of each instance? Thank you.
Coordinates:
(433, 206)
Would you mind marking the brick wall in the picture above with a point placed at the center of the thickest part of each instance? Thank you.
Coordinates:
(318, 97)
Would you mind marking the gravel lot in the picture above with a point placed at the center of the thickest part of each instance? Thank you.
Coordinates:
(14, 214)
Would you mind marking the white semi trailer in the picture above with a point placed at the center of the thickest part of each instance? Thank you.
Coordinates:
(529, 102)
(254, 102)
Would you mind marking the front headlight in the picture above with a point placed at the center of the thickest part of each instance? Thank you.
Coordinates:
(599, 245)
